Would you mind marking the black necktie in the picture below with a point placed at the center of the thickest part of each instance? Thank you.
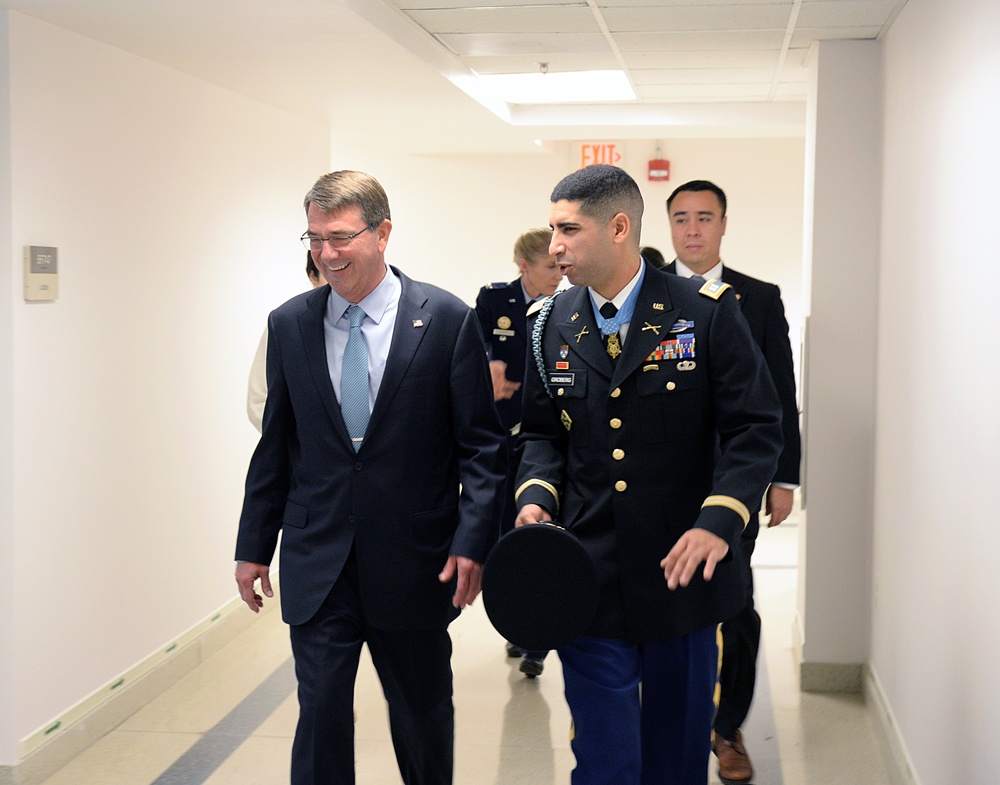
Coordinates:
(612, 344)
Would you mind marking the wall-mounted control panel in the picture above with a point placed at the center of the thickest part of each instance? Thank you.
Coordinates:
(41, 273)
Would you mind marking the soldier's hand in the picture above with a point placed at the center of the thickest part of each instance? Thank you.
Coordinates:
(696, 546)
(531, 513)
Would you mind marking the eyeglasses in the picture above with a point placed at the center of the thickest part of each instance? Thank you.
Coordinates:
(337, 241)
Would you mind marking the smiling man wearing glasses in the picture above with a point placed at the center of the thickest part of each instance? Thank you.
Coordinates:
(382, 464)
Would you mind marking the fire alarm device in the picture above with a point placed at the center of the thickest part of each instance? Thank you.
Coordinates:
(41, 273)
(659, 170)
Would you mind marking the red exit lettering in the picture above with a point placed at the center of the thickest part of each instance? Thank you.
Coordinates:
(599, 153)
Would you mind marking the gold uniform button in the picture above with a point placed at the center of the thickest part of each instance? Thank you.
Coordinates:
(616, 392)
(671, 386)
(562, 392)
(618, 454)
(621, 485)
(615, 423)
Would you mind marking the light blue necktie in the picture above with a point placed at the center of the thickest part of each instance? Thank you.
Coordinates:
(354, 379)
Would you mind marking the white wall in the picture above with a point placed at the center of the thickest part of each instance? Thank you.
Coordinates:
(176, 208)
(7, 676)
(935, 632)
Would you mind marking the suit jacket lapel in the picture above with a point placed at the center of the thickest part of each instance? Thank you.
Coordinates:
(737, 281)
(412, 321)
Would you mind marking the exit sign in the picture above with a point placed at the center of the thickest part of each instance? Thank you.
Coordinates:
(600, 153)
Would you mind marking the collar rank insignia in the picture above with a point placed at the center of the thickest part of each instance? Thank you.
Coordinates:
(714, 288)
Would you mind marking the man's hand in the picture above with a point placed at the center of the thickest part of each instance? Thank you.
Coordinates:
(531, 513)
(246, 573)
(779, 504)
(694, 547)
(503, 388)
(470, 579)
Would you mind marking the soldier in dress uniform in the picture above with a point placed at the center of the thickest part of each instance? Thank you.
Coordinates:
(650, 430)
(501, 308)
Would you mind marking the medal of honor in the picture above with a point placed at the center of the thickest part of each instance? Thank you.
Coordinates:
(614, 345)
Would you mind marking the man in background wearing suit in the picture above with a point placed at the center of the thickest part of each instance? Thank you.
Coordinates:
(381, 463)
(697, 212)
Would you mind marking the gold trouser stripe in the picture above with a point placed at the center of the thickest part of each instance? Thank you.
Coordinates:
(718, 672)
(547, 486)
(733, 504)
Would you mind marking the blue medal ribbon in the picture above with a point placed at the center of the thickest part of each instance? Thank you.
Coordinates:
(624, 315)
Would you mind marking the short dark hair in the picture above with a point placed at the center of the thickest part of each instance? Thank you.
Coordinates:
(700, 185)
(311, 269)
(603, 191)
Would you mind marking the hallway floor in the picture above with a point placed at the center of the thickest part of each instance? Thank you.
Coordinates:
(230, 721)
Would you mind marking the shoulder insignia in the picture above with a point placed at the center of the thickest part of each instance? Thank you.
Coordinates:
(714, 289)
(535, 307)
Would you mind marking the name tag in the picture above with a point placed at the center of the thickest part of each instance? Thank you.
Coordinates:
(562, 379)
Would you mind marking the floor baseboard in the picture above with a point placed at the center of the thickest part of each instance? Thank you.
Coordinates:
(51, 748)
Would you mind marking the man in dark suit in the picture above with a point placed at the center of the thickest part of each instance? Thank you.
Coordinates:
(650, 430)
(381, 464)
(697, 212)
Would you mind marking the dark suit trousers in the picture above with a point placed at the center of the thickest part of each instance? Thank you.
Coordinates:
(414, 668)
(740, 644)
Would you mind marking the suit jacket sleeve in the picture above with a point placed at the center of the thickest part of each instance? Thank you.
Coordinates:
(481, 445)
(269, 475)
(777, 351)
(747, 419)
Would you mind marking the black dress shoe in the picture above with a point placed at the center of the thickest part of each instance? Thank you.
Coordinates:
(514, 651)
(532, 666)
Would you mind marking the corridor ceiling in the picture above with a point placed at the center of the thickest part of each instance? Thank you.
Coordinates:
(386, 71)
